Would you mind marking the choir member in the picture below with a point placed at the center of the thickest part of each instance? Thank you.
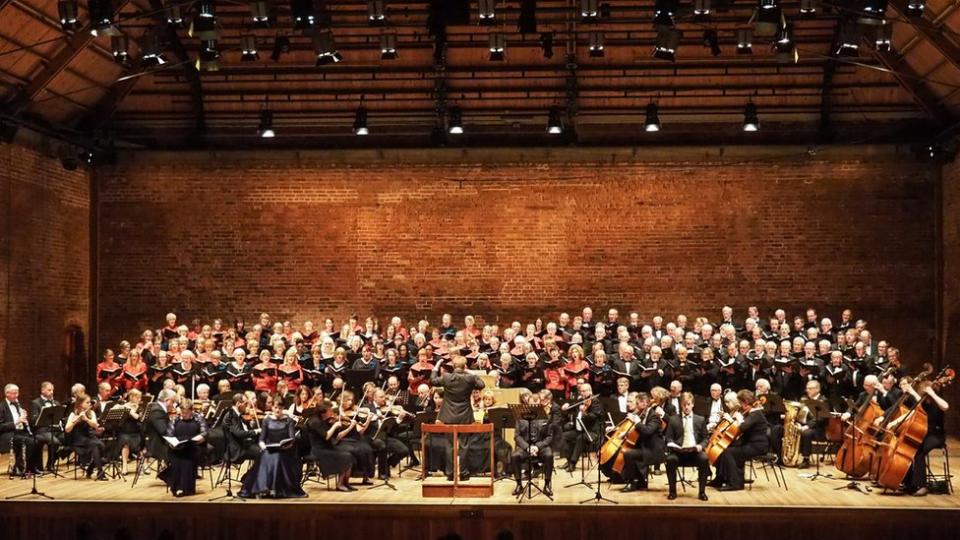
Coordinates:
(110, 372)
(264, 373)
(134, 373)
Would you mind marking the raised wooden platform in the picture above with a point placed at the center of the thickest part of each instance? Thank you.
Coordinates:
(808, 509)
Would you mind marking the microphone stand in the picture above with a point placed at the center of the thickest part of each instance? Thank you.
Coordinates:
(597, 496)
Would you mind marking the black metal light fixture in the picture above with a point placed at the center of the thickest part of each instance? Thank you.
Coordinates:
(667, 42)
(388, 46)
(360, 122)
(751, 121)
(248, 48)
(651, 122)
(596, 44)
(265, 129)
(455, 121)
(67, 10)
(555, 121)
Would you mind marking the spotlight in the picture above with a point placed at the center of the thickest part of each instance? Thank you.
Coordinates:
(86, 156)
(712, 40)
(455, 121)
(744, 41)
(555, 121)
(546, 43)
(204, 25)
(265, 129)
(785, 46)
(487, 13)
(498, 45)
(101, 18)
(151, 50)
(873, 12)
(651, 123)
(376, 14)
(663, 11)
(701, 8)
(248, 48)
(175, 16)
(589, 9)
(767, 4)
(668, 39)
(326, 50)
(751, 122)
(260, 14)
(120, 46)
(281, 46)
(304, 16)
(67, 10)
(767, 21)
(209, 57)
(915, 8)
(808, 9)
(848, 42)
(596, 44)
(360, 122)
(388, 46)
(884, 37)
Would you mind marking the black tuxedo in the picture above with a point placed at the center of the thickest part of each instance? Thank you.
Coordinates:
(753, 442)
(816, 430)
(677, 459)
(589, 433)
(649, 449)
(537, 433)
(155, 428)
(19, 439)
(48, 436)
(242, 442)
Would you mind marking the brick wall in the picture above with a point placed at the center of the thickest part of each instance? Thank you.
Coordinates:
(505, 235)
(950, 319)
(44, 266)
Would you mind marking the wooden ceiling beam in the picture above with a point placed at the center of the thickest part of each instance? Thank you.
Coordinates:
(931, 32)
(190, 72)
(913, 83)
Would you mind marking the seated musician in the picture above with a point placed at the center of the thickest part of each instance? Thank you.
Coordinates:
(46, 436)
(242, 439)
(686, 438)
(814, 429)
(322, 429)
(351, 438)
(388, 449)
(129, 438)
(83, 433)
(14, 432)
(752, 442)
(533, 439)
(774, 418)
(583, 431)
(935, 407)
(649, 447)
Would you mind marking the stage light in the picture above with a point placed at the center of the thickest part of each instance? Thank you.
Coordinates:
(785, 46)
(248, 48)
(702, 8)
(555, 121)
(151, 50)
(767, 21)
(487, 12)
(204, 25)
(651, 122)
(67, 9)
(873, 12)
(915, 8)
(360, 122)
(101, 18)
(208, 59)
(325, 48)
(668, 40)
(767, 4)
(546, 44)
(175, 16)
(744, 41)
(455, 121)
(120, 46)
(712, 40)
(848, 41)
(589, 9)
(388, 46)
(281, 46)
(751, 122)
(376, 13)
(265, 129)
(663, 11)
(596, 44)
(304, 16)
(260, 14)
(884, 37)
(808, 9)
(498, 46)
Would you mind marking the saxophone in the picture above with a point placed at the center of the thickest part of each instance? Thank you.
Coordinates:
(790, 455)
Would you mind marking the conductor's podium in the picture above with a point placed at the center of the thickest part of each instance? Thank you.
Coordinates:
(456, 488)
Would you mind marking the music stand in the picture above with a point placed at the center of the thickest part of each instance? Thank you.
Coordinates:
(819, 410)
(225, 467)
(501, 418)
(382, 433)
(49, 416)
(354, 379)
(111, 420)
(529, 413)
(425, 417)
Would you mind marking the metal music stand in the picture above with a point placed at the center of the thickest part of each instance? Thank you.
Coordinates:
(49, 417)
(501, 418)
(111, 420)
(528, 413)
(225, 467)
(819, 410)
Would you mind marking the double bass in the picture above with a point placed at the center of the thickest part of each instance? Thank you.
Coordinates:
(907, 439)
(857, 451)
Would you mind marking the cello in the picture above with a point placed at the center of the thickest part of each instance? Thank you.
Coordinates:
(726, 431)
(624, 437)
(908, 439)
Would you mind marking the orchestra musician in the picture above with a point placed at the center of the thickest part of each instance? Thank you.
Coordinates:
(240, 430)
(686, 438)
(533, 439)
(15, 432)
(83, 433)
(322, 430)
(752, 442)
(351, 438)
(935, 407)
(388, 449)
(584, 430)
(814, 429)
(647, 416)
(129, 436)
(51, 437)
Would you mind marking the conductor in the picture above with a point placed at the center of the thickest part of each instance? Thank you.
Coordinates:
(456, 407)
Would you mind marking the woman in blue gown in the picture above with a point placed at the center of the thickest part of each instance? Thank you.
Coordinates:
(277, 470)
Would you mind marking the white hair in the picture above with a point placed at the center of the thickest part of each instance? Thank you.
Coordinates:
(203, 387)
(10, 387)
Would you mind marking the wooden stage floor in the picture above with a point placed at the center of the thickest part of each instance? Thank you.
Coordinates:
(813, 506)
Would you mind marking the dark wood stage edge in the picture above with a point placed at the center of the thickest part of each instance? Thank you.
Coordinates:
(36, 520)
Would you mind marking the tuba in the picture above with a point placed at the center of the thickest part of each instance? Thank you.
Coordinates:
(792, 420)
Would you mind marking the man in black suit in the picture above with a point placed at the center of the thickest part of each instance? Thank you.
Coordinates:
(813, 429)
(649, 447)
(242, 440)
(456, 407)
(533, 439)
(48, 436)
(156, 423)
(14, 432)
(626, 364)
(686, 438)
(586, 427)
(752, 442)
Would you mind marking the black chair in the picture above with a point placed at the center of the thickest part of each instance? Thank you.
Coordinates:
(945, 476)
(768, 462)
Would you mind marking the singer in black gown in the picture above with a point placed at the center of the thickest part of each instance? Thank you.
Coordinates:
(277, 470)
(181, 474)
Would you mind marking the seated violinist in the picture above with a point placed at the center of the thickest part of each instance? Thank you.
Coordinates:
(583, 430)
(751, 442)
